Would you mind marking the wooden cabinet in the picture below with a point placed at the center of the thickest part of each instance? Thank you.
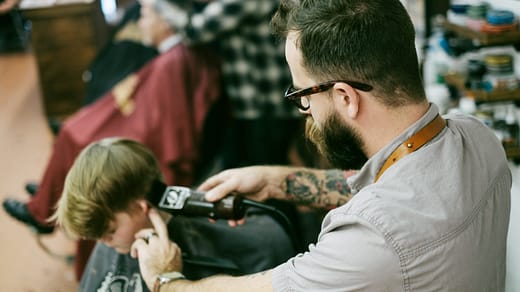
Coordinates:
(65, 38)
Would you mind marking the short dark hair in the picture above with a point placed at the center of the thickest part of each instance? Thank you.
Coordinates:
(369, 41)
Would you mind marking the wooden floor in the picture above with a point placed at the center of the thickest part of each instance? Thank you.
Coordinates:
(25, 145)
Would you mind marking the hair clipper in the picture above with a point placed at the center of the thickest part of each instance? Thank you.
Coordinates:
(179, 200)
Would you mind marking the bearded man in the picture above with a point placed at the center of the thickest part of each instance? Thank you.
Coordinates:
(428, 209)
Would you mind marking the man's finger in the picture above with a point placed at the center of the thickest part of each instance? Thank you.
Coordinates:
(222, 190)
(211, 182)
(139, 244)
(144, 233)
(235, 223)
(158, 224)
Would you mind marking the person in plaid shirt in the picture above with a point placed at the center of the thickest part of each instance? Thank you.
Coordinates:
(255, 76)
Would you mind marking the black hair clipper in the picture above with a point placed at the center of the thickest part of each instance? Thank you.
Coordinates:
(179, 200)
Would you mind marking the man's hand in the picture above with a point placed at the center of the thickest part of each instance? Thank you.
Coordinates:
(258, 183)
(154, 250)
(255, 182)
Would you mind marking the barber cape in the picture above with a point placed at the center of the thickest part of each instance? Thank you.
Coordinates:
(163, 106)
(208, 249)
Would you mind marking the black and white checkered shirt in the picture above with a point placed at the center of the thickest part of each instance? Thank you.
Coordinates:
(254, 67)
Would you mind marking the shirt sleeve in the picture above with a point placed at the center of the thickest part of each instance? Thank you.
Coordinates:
(352, 255)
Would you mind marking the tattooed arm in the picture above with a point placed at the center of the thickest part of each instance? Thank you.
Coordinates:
(316, 188)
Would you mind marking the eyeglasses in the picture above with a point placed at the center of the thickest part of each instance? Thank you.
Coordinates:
(300, 97)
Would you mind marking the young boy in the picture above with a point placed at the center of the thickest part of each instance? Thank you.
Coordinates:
(104, 198)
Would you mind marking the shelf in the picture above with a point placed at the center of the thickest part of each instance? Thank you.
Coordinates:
(482, 95)
(484, 39)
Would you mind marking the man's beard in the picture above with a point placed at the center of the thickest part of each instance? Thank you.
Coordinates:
(339, 143)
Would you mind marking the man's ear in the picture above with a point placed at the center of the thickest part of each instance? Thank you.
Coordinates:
(346, 99)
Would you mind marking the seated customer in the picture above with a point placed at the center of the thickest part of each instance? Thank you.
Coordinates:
(104, 198)
(122, 55)
(163, 106)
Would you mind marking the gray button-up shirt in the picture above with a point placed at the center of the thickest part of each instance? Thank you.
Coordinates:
(436, 220)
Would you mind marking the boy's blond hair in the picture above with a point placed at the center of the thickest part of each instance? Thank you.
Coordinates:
(107, 177)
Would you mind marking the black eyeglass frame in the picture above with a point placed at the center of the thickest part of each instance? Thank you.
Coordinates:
(296, 96)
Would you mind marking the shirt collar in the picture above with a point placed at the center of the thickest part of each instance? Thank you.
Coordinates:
(169, 43)
(369, 171)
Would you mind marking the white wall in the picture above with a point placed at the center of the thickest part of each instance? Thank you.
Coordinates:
(513, 5)
(513, 242)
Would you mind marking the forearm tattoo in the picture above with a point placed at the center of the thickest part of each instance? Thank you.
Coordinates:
(327, 189)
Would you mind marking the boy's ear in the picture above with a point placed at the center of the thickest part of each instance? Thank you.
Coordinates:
(143, 205)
